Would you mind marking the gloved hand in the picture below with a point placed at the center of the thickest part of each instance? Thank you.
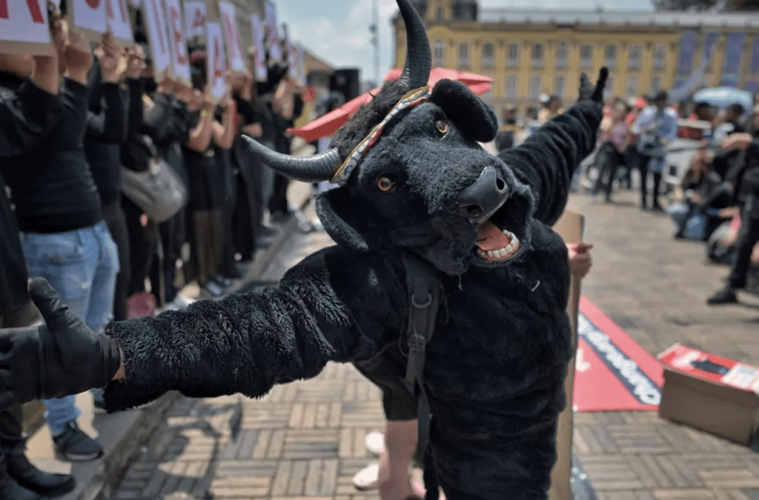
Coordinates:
(589, 92)
(60, 358)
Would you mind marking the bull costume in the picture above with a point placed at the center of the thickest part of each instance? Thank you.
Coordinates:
(414, 183)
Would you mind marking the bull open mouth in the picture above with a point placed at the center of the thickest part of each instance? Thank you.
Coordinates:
(498, 238)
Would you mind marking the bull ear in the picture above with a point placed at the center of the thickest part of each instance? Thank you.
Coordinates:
(341, 220)
(472, 116)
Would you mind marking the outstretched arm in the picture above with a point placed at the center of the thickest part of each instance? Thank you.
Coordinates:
(333, 306)
(547, 160)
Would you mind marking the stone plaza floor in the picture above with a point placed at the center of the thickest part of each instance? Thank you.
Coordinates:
(305, 440)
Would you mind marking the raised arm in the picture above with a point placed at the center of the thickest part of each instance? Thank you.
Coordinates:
(547, 160)
(242, 344)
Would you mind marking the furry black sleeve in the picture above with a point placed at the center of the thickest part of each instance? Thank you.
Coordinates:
(333, 306)
(547, 160)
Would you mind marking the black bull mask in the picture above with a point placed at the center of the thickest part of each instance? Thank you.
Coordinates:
(412, 173)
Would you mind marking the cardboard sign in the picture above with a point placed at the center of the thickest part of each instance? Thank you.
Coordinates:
(179, 57)
(570, 227)
(232, 37)
(217, 65)
(257, 30)
(160, 46)
(118, 21)
(24, 27)
(272, 33)
(90, 17)
(195, 20)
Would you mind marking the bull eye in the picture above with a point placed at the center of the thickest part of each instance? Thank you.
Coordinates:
(385, 184)
(441, 126)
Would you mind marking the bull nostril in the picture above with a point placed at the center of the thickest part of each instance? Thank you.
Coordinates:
(474, 210)
(500, 184)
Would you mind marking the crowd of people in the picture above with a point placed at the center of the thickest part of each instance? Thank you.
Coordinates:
(75, 128)
(716, 199)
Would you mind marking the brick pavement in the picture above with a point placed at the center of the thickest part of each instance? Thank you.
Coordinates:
(305, 440)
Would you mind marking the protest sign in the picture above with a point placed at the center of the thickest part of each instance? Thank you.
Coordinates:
(290, 55)
(89, 16)
(118, 21)
(195, 20)
(257, 31)
(24, 27)
(272, 33)
(231, 36)
(179, 57)
(159, 39)
(217, 65)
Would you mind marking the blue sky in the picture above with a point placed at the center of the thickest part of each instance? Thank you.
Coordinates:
(338, 30)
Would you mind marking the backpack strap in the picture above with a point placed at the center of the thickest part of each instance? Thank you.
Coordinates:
(424, 291)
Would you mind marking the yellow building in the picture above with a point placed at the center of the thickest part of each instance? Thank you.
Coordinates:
(530, 53)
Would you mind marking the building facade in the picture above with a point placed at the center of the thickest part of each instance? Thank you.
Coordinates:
(532, 53)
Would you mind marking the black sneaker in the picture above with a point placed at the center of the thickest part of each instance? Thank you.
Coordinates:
(31, 478)
(76, 446)
(10, 489)
(724, 296)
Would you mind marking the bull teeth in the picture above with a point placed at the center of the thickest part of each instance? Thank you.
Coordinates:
(509, 248)
(481, 253)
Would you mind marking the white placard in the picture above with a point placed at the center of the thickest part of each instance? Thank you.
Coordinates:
(272, 38)
(195, 19)
(179, 56)
(136, 3)
(301, 66)
(159, 39)
(23, 27)
(231, 36)
(217, 65)
(89, 16)
(257, 30)
(290, 53)
(118, 20)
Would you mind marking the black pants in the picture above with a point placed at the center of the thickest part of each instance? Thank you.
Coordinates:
(278, 204)
(116, 222)
(142, 242)
(12, 419)
(643, 162)
(173, 235)
(747, 238)
(608, 160)
(244, 220)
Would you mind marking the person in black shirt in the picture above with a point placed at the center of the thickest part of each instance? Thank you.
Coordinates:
(64, 237)
(105, 133)
(27, 116)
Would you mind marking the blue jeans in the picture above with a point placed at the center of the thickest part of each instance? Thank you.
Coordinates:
(81, 265)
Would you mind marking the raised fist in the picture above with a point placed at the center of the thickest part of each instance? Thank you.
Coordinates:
(77, 56)
(60, 358)
(589, 92)
(109, 59)
(135, 62)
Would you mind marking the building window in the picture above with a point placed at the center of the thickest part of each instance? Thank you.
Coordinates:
(655, 84)
(558, 88)
(488, 55)
(660, 56)
(561, 55)
(439, 53)
(611, 56)
(535, 85)
(440, 14)
(636, 54)
(512, 92)
(537, 55)
(513, 55)
(632, 87)
(586, 56)
(464, 54)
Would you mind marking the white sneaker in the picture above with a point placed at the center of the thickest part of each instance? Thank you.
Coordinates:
(375, 443)
(367, 478)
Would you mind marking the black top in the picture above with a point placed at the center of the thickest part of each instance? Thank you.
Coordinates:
(27, 115)
(207, 182)
(106, 131)
(51, 185)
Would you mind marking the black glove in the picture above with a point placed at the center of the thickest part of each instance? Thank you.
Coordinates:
(589, 92)
(60, 358)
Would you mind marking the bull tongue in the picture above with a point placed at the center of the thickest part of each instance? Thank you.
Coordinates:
(489, 237)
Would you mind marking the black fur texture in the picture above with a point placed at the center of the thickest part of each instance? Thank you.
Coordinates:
(496, 365)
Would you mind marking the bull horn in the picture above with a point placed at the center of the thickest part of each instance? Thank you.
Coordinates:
(321, 167)
(416, 72)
